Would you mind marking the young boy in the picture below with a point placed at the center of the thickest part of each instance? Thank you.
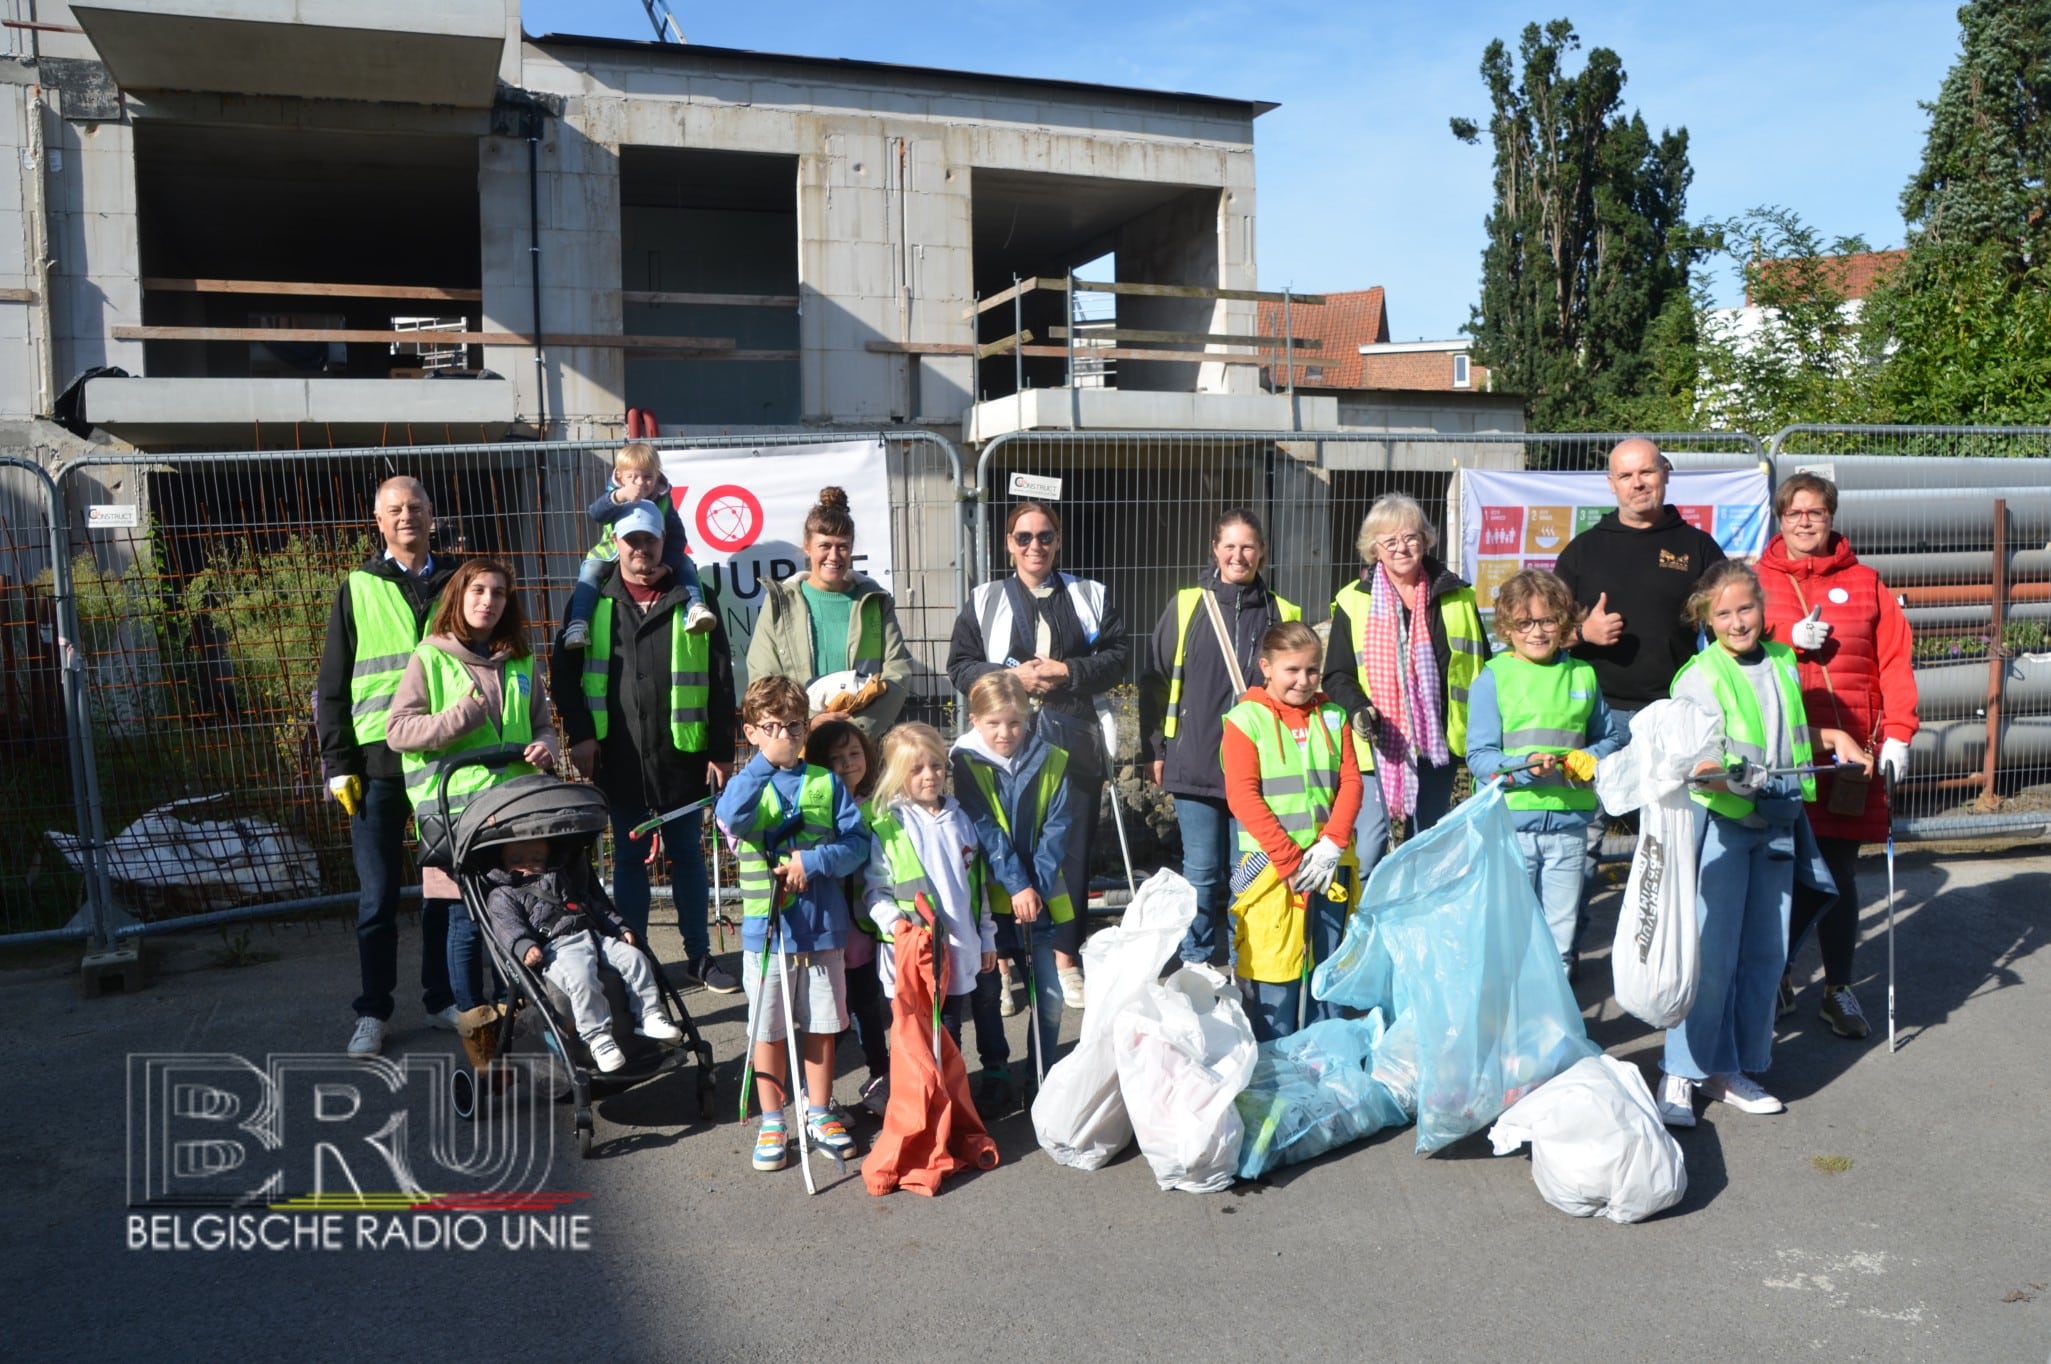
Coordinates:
(636, 477)
(548, 918)
(797, 832)
(1292, 781)
(1534, 703)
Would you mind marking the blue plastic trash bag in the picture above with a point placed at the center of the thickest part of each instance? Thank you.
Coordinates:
(1358, 974)
(1476, 969)
(1312, 1092)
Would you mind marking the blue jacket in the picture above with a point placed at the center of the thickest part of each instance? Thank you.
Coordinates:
(819, 919)
(1606, 733)
(1024, 857)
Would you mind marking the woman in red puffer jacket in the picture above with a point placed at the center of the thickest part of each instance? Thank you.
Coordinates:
(1853, 641)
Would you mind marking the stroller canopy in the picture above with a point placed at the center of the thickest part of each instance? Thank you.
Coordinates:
(533, 806)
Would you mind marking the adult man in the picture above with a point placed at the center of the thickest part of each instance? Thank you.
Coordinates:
(1633, 570)
(648, 708)
(380, 613)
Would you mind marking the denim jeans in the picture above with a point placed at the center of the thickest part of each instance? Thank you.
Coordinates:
(1048, 1012)
(471, 978)
(1085, 799)
(1744, 883)
(376, 841)
(1557, 862)
(993, 1049)
(1206, 852)
(682, 844)
(869, 1016)
(584, 596)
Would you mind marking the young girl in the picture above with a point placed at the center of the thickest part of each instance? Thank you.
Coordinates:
(1536, 704)
(1014, 785)
(923, 843)
(1750, 826)
(839, 745)
(1292, 781)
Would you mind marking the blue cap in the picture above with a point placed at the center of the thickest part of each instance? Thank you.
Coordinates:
(645, 517)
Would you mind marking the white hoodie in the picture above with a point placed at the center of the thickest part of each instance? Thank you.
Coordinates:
(946, 844)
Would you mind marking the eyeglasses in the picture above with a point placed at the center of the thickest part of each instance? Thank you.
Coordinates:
(1392, 543)
(1805, 514)
(781, 729)
(1024, 538)
(1535, 625)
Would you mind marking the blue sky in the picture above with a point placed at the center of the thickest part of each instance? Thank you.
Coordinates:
(1811, 106)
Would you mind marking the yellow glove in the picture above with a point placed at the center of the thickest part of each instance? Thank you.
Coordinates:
(1580, 765)
(348, 793)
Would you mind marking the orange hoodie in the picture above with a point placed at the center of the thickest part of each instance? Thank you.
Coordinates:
(1243, 785)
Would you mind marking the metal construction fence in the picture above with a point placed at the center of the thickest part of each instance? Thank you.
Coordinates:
(162, 616)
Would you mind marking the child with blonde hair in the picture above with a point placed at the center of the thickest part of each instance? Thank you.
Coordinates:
(636, 477)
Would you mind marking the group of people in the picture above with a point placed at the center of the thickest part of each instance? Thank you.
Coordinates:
(1314, 751)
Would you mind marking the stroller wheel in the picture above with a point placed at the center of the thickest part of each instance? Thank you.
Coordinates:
(584, 1138)
(463, 1092)
(708, 1098)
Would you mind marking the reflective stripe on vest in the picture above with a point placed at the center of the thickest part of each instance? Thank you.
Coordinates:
(1744, 728)
(992, 605)
(690, 679)
(1060, 905)
(387, 632)
(814, 826)
(1188, 602)
(1545, 708)
(1299, 782)
(447, 682)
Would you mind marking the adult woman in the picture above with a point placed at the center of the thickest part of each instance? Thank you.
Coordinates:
(1852, 642)
(471, 687)
(1066, 644)
(1405, 689)
(1205, 654)
(832, 630)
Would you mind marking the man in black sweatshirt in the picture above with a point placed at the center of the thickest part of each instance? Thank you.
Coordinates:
(1634, 570)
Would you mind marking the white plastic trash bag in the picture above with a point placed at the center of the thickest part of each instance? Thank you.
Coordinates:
(1597, 1144)
(1185, 1050)
(1654, 959)
(1078, 1116)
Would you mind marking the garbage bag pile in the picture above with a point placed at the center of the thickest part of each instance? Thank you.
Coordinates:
(1312, 1092)
(1185, 1050)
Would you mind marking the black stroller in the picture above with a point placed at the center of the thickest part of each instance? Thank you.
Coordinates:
(572, 817)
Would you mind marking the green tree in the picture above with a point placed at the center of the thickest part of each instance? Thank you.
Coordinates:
(1587, 243)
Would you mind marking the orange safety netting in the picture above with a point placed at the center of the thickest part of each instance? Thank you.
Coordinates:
(931, 1128)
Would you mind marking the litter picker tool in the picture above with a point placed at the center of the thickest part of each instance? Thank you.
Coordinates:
(650, 825)
(1117, 820)
(1736, 769)
(1890, 911)
(925, 908)
(1025, 931)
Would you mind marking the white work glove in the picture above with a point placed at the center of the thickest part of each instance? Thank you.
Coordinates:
(1811, 631)
(1894, 759)
(1314, 874)
(1746, 780)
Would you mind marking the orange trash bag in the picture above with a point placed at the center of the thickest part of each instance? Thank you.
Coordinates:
(931, 1128)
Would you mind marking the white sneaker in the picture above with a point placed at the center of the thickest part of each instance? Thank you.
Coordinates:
(1677, 1101)
(1072, 995)
(655, 1025)
(1741, 1092)
(606, 1053)
(369, 1037)
(449, 1018)
(699, 619)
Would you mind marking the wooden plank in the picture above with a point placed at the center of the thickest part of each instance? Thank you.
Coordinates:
(657, 299)
(1024, 286)
(1191, 338)
(1004, 347)
(1061, 352)
(742, 356)
(17, 296)
(1196, 291)
(462, 338)
(160, 284)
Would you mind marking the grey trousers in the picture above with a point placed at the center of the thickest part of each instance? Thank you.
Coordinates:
(571, 962)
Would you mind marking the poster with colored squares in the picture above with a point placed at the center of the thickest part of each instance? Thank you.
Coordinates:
(1511, 520)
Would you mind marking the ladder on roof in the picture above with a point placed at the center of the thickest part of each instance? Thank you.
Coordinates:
(667, 30)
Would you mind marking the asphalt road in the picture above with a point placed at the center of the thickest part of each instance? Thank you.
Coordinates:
(1932, 1241)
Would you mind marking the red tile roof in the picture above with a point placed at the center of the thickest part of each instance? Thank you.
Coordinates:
(1347, 321)
(1857, 275)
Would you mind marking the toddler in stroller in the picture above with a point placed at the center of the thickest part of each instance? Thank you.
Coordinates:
(547, 913)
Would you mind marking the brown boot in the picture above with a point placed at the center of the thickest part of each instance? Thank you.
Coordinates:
(479, 1030)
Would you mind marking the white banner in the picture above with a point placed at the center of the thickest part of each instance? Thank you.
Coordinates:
(744, 508)
(1512, 519)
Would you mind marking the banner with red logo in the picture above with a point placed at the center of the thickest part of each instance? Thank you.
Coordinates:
(744, 509)
(1511, 519)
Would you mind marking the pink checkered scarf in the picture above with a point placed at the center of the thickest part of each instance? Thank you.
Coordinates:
(1402, 677)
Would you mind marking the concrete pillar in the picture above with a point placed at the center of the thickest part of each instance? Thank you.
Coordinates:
(96, 283)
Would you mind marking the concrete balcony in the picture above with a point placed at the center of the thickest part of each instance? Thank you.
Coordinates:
(1110, 409)
(189, 413)
(384, 51)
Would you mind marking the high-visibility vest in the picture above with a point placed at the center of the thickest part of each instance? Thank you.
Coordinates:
(1299, 782)
(1466, 642)
(992, 606)
(908, 878)
(1061, 904)
(1744, 728)
(1545, 709)
(814, 826)
(387, 632)
(447, 682)
(690, 679)
(1188, 602)
(865, 638)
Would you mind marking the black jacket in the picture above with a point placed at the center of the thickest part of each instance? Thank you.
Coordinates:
(637, 765)
(340, 754)
(1648, 575)
(1091, 669)
(1191, 757)
(1343, 682)
(528, 911)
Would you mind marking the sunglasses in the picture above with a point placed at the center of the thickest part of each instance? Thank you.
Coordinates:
(1024, 538)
